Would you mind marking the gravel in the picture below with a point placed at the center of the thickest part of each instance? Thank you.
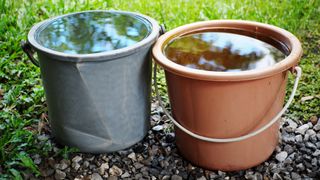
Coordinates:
(115, 171)
(176, 177)
(316, 127)
(96, 176)
(156, 157)
(59, 174)
(282, 156)
(302, 129)
(158, 128)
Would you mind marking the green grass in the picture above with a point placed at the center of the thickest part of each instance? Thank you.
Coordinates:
(22, 101)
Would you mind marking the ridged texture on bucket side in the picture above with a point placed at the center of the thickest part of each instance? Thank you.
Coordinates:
(225, 110)
(98, 106)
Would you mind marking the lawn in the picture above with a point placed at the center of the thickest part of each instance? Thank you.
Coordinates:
(23, 115)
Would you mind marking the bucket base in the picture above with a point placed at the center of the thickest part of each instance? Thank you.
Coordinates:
(101, 146)
(228, 156)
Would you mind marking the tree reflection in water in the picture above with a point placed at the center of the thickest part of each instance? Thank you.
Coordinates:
(217, 51)
(93, 32)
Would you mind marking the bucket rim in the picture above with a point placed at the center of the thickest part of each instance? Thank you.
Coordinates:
(285, 37)
(101, 56)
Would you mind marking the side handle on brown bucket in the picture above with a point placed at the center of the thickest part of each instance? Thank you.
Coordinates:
(298, 71)
(26, 47)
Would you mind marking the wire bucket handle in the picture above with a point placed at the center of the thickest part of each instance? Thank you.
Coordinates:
(298, 73)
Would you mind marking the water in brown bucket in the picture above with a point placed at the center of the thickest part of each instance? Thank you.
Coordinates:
(223, 51)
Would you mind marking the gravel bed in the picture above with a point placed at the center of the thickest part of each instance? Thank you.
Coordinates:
(156, 157)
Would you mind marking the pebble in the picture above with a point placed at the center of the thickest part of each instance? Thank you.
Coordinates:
(258, 176)
(222, 174)
(281, 156)
(306, 137)
(274, 168)
(86, 164)
(313, 139)
(202, 178)
(36, 159)
(287, 161)
(47, 172)
(249, 175)
(287, 138)
(77, 159)
(115, 171)
(138, 165)
(295, 176)
(132, 156)
(314, 162)
(298, 138)
(92, 166)
(166, 177)
(125, 175)
(158, 128)
(310, 145)
(316, 127)
(276, 176)
(105, 158)
(288, 148)
(113, 178)
(310, 132)
(75, 166)
(103, 168)
(59, 174)
(43, 137)
(95, 176)
(156, 117)
(301, 167)
(302, 129)
(314, 120)
(316, 153)
(176, 177)
(292, 126)
(64, 164)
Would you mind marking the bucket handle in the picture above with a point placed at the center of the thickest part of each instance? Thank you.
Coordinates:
(26, 47)
(227, 140)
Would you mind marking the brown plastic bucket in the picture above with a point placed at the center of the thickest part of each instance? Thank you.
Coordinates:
(228, 120)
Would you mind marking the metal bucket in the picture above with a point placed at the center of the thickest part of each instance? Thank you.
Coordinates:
(98, 99)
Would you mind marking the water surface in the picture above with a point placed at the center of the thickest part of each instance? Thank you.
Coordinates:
(222, 51)
(93, 32)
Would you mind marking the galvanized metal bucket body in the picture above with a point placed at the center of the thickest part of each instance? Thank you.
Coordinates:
(98, 106)
(98, 102)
